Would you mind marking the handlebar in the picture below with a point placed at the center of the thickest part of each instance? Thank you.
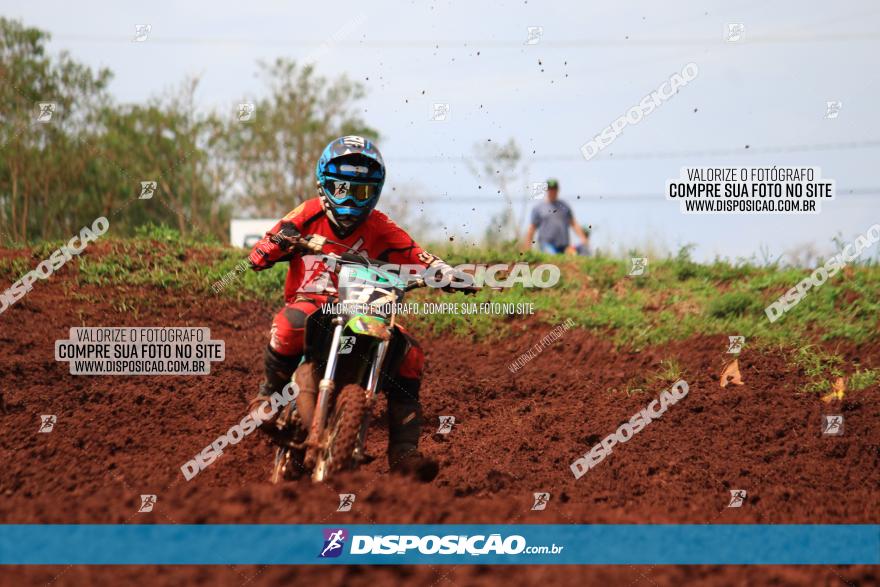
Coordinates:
(416, 283)
(315, 244)
(357, 259)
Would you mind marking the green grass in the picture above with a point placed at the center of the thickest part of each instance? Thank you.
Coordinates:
(170, 263)
(863, 379)
(679, 298)
(667, 372)
(733, 305)
(12, 269)
(676, 299)
(820, 367)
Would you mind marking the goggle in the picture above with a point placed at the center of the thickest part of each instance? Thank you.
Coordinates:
(341, 190)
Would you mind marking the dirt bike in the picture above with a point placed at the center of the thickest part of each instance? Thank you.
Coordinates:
(352, 347)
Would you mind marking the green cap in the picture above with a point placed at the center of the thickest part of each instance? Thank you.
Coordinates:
(552, 183)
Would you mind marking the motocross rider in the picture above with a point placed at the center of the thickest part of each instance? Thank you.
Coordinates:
(350, 174)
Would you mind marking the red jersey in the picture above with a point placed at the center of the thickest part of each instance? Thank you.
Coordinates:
(378, 237)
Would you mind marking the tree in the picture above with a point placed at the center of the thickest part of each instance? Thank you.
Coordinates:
(88, 157)
(40, 156)
(168, 142)
(502, 167)
(275, 152)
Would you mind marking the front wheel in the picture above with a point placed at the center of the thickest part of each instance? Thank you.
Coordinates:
(284, 468)
(290, 434)
(341, 434)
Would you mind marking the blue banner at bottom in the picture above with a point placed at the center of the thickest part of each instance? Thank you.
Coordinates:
(484, 544)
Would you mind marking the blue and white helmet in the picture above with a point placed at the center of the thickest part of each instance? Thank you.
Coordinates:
(350, 175)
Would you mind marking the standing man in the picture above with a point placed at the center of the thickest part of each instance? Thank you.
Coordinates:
(552, 218)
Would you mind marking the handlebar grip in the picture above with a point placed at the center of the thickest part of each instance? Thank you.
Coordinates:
(312, 244)
(415, 284)
(352, 258)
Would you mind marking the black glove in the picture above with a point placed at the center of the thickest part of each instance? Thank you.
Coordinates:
(288, 236)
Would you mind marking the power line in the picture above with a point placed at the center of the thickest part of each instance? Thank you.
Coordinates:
(636, 155)
(575, 197)
(470, 43)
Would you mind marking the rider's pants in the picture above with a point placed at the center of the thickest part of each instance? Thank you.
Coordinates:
(401, 385)
(287, 338)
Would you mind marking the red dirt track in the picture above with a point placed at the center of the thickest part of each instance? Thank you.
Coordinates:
(119, 437)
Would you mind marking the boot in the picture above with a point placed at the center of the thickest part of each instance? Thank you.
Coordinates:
(404, 426)
(278, 371)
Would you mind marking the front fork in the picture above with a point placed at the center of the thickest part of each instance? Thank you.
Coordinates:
(325, 390)
(372, 388)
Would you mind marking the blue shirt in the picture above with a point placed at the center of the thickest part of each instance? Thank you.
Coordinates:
(552, 219)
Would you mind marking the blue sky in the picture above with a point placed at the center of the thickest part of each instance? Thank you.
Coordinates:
(594, 62)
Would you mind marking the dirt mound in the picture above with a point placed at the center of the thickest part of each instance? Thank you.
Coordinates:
(515, 434)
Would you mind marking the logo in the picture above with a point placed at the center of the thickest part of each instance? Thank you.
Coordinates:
(735, 344)
(141, 32)
(317, 274)
(637, 113)
(823, 273)
(334, 541)
(246, 112)
(265, 411)
(832, 425)
(354, 141)
(639, 266)
(537, 189)
(427, 258)
(446, 424)
(45, 110)
(735, 31)
(47, 422)
(541, 501)
(627, 430)
(832, 109)
(148, 189)
(56, 260)
(737, 498)
(533, 35)
(340, 188)
(346, 345)
(346, 500)
(475, 545)
(147, 503)
(439, 112)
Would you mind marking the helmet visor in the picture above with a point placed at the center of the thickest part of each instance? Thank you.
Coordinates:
(341, 191)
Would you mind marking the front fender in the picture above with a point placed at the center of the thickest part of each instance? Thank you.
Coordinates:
(369, 326)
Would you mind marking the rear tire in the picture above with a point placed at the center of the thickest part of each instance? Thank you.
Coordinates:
(341, 435)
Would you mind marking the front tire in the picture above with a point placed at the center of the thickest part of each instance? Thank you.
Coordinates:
(288, 463)
(283, 469)
(341, 435)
